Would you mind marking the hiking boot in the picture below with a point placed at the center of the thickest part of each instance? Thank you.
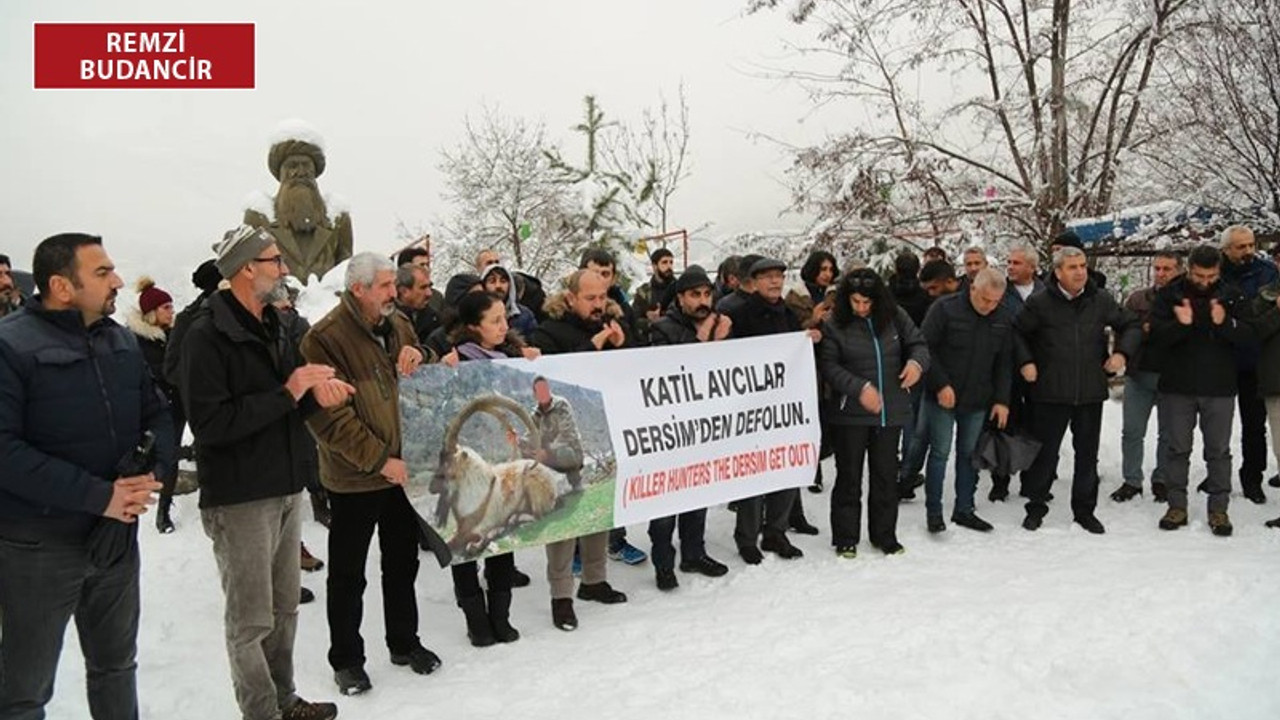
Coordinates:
(781, 546)
(562, 615)
(310, 563)
(893, 547)
(1254, 494)
(1090, 523)
(667, 580)
(803, 527)
(751, 554)
(601, 592)
(519, 579)
(704, 565)
(971, 521)
(999, 489)
(1173, 519)
(1159, 493)
(352, 681)
(847, 552)
(628, 553)
(1125, 493)
(303, 710)
(935, 524)
(419, 659)
(1220, 524)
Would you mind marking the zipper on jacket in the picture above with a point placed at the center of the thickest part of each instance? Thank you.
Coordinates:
(106, 395)
(875, 341)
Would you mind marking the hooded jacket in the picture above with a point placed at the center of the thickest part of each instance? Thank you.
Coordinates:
(520, 318)
(852, 356)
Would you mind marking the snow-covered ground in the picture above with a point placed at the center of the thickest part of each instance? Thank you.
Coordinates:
(1134, 624)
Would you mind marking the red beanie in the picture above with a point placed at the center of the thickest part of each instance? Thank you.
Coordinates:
(151, 297)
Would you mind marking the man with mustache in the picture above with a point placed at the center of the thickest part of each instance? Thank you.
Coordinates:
(310, 241)
(689, 320)
(368, 344)
(9, 296)
(75, 397)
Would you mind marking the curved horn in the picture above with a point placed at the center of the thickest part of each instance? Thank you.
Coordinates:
(491, 404)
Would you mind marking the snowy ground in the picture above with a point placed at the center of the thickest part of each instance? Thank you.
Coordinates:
(1057, 624)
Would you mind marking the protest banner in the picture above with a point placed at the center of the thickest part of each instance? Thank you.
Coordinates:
(519, 453)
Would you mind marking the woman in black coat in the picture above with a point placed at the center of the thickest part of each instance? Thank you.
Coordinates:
(871, 356)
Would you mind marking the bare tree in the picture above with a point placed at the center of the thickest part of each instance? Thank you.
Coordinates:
(1222, 108)
(506, 195)
(1043, 106)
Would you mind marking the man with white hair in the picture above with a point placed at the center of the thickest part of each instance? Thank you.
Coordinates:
(247, 394)
(975, 259)
(368, 344)
(1064, 329)
(1249, 273)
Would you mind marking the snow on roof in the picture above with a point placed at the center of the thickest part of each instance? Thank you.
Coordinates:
(295, 129)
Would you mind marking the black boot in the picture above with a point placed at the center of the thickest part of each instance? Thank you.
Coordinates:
(164, 522)
(478, 629)
(500, 617)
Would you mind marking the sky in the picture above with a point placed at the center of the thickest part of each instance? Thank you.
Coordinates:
(161, 174)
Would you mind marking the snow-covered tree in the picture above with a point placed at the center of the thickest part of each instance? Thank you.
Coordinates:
(1043, 105)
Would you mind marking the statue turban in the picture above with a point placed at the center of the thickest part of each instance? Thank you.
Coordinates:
(282, 150)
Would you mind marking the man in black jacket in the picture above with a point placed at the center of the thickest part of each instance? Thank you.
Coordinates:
(1265, 315)
(970, 336)
(581, 319)
(247, 393)
(1063, 327)
(689, 320)
(75, 398)
(1197, 321)
(9, 295)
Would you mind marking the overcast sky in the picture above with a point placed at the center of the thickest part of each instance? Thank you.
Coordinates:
(160, 174)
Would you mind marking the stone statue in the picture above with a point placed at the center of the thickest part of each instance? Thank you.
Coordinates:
(311, 242)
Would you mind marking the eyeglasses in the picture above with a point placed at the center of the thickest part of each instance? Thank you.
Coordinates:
(863, 282)
(277, 259)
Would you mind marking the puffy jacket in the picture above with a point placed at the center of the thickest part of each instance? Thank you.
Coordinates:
(74, 400)
(1200, 357)
(1068, 342)
(251, 440)
(970, 352)
(853, 356)
(357, 437)
(675, 328)
(565, 332)
(1265, 318)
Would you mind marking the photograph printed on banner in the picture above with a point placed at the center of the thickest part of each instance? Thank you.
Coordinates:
(502, 457)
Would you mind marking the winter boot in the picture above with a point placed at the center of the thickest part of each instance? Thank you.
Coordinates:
(479, 631)
(309, 562)
(1173, 519)
(500, 617)
(164, 519)
(1220, 524)
(1125, 493)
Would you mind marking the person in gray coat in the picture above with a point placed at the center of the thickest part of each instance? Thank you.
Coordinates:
(872, 356)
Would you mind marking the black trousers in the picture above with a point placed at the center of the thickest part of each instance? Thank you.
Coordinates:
(878, 447)
(1020, 418)
(498, 572)
(693, 529)
(1253, 431)
(1049, 425)
(772, 511)
(355, 515)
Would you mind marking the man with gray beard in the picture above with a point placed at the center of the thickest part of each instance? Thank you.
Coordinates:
(309, 240)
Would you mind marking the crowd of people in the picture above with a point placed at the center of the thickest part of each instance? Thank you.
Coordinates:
(911, 369)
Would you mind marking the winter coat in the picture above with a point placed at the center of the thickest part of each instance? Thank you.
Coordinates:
(1249, 278)
(251, 440)
(852, 356)
(1013, 301)
(623, 314)
(565, 332)
(651, 295)
(357, 437)
(733, 303)
(1265, 318)
(758, 317)
(675, 328)
(424, 321)
(1068, 342)
(1199, 359)
(153, 340)
(1140, 303)
(74, 400)
(911, 297)
(172, 353)
(970, 352)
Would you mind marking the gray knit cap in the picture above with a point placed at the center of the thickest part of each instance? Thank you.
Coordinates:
(239, 246)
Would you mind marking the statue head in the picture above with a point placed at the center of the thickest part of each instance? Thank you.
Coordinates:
(299, 205)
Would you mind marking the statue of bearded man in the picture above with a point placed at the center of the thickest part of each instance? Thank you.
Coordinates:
(310, 242)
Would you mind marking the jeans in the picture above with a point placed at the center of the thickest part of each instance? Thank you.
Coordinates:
(256, 546)
(355, 515)
(915, 440)
(693, 526)
(943, 425)
(44, 583)
(1178, 415)
(1140, 396)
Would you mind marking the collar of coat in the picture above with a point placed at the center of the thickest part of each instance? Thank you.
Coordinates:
(143, 329)
(238, 324)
